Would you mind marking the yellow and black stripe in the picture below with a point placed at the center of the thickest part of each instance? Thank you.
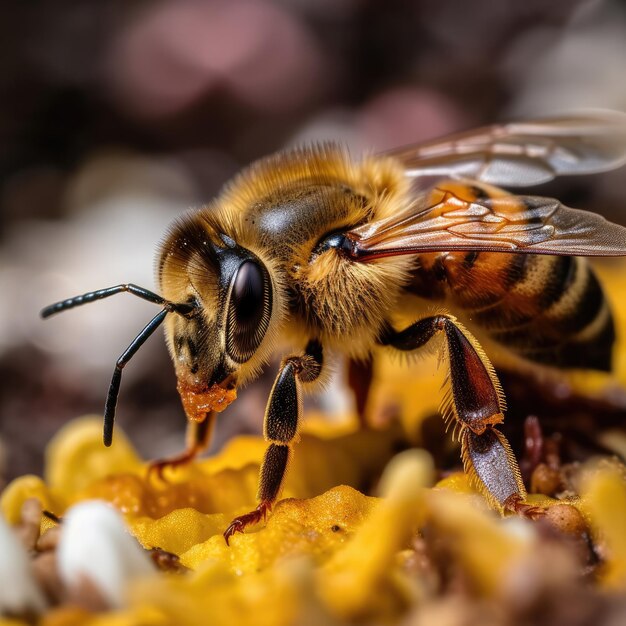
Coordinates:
(549, 309)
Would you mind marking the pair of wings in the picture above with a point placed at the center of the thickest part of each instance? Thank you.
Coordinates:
(508, 155)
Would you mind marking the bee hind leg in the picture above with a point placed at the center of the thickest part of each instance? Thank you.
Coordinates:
(489, 460)
(198, 436)
(476, 404)
(280, 428)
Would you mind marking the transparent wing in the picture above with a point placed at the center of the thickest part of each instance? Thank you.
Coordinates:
(527, 224)
(523, 153)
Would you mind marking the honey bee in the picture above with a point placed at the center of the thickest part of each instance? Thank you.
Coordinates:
(314, 248)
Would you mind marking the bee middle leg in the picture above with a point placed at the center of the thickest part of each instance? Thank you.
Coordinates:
(476, 402)
(280, 428)
(360, 375)
(198, 437)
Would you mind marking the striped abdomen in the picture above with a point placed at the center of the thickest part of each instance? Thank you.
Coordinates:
(549, 309)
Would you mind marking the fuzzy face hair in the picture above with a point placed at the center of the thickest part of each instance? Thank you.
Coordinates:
(199, 264)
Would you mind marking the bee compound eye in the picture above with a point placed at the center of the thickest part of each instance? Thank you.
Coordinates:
(249, 310)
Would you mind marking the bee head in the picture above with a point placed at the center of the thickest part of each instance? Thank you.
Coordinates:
(223, 341)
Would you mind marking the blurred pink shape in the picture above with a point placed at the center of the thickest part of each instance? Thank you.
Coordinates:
(405, 115)
(178, 51)
(286, 68)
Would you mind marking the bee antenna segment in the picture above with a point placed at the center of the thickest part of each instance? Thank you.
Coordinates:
(127, 355)
(92, 296)
(186, 309)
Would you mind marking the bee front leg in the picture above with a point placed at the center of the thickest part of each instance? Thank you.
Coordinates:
(280, 428)
(198, 438)
(476, 403)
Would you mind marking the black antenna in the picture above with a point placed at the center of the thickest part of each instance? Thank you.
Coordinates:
(92, 296)
(114, 387)
(185, 309)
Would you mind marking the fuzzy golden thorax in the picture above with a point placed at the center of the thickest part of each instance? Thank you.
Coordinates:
(347, 302)
(284, 206)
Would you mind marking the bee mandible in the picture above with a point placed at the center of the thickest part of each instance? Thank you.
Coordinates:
(321, 251)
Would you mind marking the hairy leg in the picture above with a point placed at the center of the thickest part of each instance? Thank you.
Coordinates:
(282, 419)
(475, 404)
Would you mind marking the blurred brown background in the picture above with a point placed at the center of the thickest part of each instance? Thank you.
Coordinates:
(117, 116)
